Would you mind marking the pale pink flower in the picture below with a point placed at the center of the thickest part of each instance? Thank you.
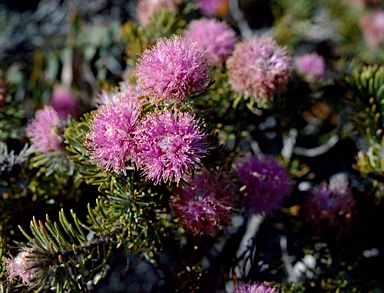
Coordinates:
(260, 68)
(146, 9)
(311, 66)
(44, 131)
(172, 70)
(25, 266)
(214, 37)
(372, 25)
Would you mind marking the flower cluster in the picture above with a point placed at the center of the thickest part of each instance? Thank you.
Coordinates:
(329, 206)
(170, 144)
(216, 38)
(259, 67)
(172, 70)
(265, 181)
(45, 130)
(205, 204)
(255, 288)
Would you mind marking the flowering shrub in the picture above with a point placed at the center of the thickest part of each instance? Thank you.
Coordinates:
(192, 146)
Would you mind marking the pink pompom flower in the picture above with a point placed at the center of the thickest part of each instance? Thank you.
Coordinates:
(206, 204)
(110, 141)
(44, 131)
(265, 183)
(214, 37)
(259, 68)
(169, 145)
(172, 70)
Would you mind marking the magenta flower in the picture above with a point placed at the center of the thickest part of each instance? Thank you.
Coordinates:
(216, 38)
(64, 102)
(169, 146)
(372, 25)
(329, 206)
(111, 141)
(172, 70)
(255, 288)
(311, 67)
(146, 9)
(260, 68)
(265, 182)
(210, 7)
(206, 204)
(44, 131)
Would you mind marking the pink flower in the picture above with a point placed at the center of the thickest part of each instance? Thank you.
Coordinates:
(265, 182)
(210, 7)
(172, 70)
(44, 131)
(169, 145)
(311, 67)
(372, 25)
(216, 38)
(111, 141)
(259, 67)
(64, 102)
(146, 9)
(255, 288)
(206, 204)
(329, 206)
(24, 266)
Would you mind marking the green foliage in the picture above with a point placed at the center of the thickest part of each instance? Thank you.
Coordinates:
(63, 257)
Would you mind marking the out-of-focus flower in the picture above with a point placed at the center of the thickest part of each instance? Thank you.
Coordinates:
(329, 206)
(206, 204)
(372, 25)
(361, 3)
(146, 9)
(214, 37)
(44, 131)
(255, 288)
(213, 7)
(311, 67)
(4, 90)
(64, 102)
(104, 98)
(25, 266)
(265, 183)
(111, 141)
(172, 70)
(169, 145)
(259, 67)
